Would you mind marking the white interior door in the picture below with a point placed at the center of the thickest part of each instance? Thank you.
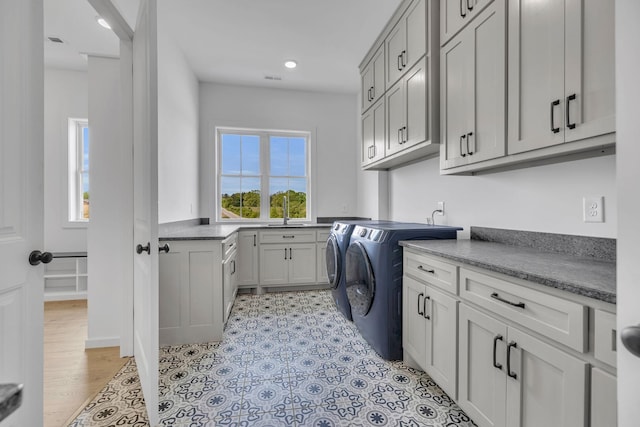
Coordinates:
(21, 203)
(145, 161)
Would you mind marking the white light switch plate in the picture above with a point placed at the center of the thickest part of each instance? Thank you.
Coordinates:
(593, 209)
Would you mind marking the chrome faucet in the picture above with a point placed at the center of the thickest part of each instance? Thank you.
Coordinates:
(285, 210)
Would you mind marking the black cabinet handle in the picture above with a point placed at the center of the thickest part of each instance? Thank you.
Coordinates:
(424, 307)
(285, 253)
(399, 136)
(290, 253)
(403, 55)
(254, 240)
(373, 93)
(554, 104)
(495, 344)
(421, 313)
(511, 345)
(421, 268)
(462, 11)
(405, 138)
(140, 248)
(470, 5)
(399, 63)
(469, 135)
(37, 257)
(570, 98)
(499, 298)
(164, 248)
(462, 153)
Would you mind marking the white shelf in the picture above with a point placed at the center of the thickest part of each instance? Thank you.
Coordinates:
(66, 277)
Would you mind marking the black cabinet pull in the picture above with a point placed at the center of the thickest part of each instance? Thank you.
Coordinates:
(399, 136)
(285, 253)
(462, 11)
(511, 345)
(424, 307)
(421, 268)
(405, 138)
(399, 63)
(290, 254)
(421, 313)
(462, 153)
(495, 344)
(570, 98)
(554, 104)
(403, 55)
(469, 135)
(233, 270)
(373, 93)
(470, 5)
(499, 298)
(254, 240)
(140, 248)
(165, 248)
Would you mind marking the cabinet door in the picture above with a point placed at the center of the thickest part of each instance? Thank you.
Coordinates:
(367, 85)
(396, 125)
(302, 263)
(550, 385)
(482, 390)
(396, 45)
(373, 133)
(414, 325)
(455, 14)
(485, 138)
(442, 345)
(415, 87)
(416, 34)
(589, 68)
(536, 74)
(378, 75)
(454, 102)
(603, 399)
(247, 259)
(227, 285)
(274, 264)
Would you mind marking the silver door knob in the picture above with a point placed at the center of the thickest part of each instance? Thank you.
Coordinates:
(630, 337)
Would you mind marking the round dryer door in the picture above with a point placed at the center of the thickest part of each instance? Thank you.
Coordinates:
(360, 282)
(334, 261)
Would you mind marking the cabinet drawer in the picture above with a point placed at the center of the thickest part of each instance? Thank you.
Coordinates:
(556, 318)
(287, 236)
(323, 235)
(604, 342)
(229, 245)
(430, 270)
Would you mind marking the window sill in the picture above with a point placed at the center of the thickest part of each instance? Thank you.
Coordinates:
(76, 224)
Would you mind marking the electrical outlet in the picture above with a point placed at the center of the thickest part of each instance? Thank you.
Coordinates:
(593, 208)
(440, 208)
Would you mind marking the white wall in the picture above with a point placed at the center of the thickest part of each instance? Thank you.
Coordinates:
(628, 177)
(110, 232)
(65, 96)
(178, 146)
(544, 198)
(329, 116)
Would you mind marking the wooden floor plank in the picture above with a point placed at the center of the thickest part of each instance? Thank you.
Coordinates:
(72, 374)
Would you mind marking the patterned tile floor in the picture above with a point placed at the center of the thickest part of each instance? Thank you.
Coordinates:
(287, 359)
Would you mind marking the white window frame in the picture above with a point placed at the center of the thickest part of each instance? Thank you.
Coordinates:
(264, 135)
(75, 193)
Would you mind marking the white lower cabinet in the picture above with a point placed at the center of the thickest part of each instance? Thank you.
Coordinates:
(287, 264)
(247, 259)
(509, 378)
(430, 331)
(603, 399)
(191, 308)
(229, 282)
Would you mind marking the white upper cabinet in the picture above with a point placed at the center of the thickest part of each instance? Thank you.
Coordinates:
(561, 72)
(456, 14)
(407, 42)
(472, 91)
(373, 133)
(373, 79)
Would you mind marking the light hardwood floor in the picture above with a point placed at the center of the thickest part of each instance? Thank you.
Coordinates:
(72, 375)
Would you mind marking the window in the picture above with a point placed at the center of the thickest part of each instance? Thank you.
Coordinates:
(257, 169)
(78, 170)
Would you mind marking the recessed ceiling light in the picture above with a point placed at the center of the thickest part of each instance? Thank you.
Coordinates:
(291, 64)
(103, 23)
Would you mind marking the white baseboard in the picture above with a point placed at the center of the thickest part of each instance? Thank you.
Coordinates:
(102, 342)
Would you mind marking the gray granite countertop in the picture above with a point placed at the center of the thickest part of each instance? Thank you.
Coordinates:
(221, 232)
(10, 399)
(590, 277)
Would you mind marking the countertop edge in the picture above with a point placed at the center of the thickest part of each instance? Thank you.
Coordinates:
(573, 288)
(178, 235)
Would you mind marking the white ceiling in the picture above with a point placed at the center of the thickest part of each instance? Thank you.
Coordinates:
(238, 41)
